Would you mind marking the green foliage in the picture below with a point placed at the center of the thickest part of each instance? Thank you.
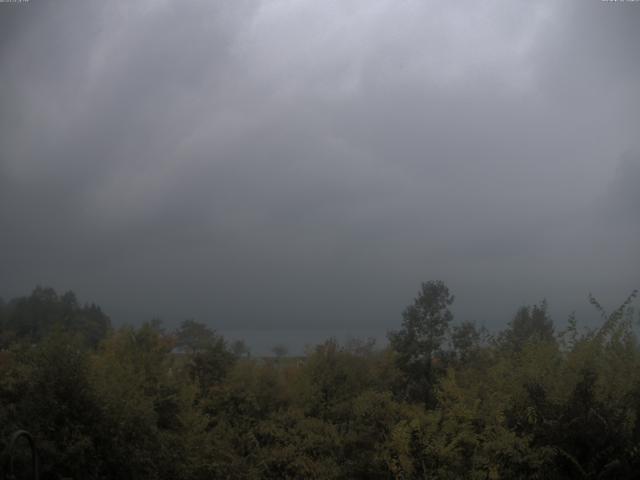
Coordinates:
(145, 403)
(424, 325)
(30, 319)
(208, 356)
(46, 390)
(530, 324)
(466, 340)
(194, 336)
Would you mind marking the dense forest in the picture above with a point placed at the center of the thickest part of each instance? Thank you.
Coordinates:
(443, 400)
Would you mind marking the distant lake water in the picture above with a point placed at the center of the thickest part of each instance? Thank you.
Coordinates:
(262, 341)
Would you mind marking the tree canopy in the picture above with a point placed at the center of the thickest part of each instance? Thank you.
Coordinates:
(424, 325)
(441, 401)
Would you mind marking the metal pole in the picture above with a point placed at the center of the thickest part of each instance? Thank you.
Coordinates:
(9, 453)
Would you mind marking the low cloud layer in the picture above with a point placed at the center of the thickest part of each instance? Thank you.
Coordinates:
(302, 165)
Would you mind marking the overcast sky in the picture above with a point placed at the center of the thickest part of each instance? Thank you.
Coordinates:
(298, 167)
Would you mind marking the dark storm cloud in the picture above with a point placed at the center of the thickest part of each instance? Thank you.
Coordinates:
(304, 165)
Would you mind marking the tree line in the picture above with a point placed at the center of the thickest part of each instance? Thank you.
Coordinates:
(442, 400)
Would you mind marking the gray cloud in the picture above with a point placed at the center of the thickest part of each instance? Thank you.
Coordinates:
(302, 166)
